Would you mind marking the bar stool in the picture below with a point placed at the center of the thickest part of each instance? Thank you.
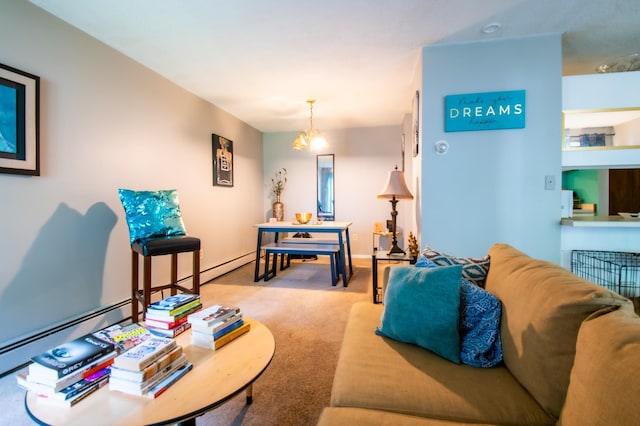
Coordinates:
(156, 229)
(158, 247)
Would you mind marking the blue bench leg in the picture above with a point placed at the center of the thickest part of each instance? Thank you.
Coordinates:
(334, 273)
(341, 269)
(284, 266)
(270, 272)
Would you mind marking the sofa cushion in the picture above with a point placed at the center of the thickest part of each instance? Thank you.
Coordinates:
(421, 307)
(543, 306)
(351, 416)
(381, 373)
(152, 214)
(473, 269)
(604, 388)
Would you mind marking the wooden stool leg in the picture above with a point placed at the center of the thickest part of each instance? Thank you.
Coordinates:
(134, 286)
(174, 273)
(196, 272)
(147, 283)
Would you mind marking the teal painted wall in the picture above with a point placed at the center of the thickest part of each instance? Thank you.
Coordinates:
(584, 184)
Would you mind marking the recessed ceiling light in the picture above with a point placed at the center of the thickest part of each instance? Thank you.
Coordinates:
(491, 28)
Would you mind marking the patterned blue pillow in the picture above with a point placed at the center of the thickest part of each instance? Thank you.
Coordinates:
(480, 313)
(152, 214)
(473, 269)
(479, 325)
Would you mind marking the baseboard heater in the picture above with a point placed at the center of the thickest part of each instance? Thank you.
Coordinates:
(16, 354)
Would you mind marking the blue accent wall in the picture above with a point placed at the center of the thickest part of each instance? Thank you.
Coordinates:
(490, 185)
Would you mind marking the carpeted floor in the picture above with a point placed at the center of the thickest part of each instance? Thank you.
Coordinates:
(307, 317)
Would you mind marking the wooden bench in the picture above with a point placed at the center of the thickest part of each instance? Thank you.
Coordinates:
(331, 250)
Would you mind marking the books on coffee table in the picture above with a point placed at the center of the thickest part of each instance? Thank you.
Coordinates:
(69, 357)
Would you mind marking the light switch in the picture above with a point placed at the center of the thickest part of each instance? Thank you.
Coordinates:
(549, 182)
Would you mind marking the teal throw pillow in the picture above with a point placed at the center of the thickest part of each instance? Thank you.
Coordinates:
(152, 214)
(422, 307)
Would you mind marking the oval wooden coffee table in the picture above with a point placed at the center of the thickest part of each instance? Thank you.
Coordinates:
(216, 377)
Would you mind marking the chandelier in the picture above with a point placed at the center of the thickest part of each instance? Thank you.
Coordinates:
(311, 138)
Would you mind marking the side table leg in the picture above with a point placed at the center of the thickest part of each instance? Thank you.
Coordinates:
(249, 393)
(374, 277)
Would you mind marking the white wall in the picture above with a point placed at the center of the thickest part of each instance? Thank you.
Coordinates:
(597, 92)
(106, 123)
(363, 158)
(490, 186)
(600, 91)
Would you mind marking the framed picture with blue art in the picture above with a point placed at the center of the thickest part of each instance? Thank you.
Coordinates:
(19, 122)
(222, 161)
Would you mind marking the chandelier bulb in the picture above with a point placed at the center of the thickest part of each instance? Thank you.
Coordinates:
(310, 138)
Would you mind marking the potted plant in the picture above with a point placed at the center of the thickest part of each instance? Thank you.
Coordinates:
(278, 183)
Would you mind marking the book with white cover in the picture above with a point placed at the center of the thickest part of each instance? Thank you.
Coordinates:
(212, 315)
(145, 353)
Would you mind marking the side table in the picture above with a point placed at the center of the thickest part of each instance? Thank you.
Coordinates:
(384, 256)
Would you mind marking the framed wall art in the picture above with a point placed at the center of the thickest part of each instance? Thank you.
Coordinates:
(19, 122)
(222, 161)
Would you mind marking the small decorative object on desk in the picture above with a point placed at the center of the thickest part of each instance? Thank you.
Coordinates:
(413, 246)
(278, 183)
(303, 218)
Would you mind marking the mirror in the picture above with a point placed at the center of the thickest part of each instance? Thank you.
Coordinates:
(325, 187)
(601, 129)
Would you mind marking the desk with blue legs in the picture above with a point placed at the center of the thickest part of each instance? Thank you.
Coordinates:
(341, 229)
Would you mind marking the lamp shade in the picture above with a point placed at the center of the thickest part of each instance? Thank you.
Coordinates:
(396, 187)
(300, 142)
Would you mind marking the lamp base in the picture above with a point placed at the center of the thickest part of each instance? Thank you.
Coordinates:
(396, 250)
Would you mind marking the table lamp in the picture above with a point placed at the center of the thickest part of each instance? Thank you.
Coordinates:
(395, 189)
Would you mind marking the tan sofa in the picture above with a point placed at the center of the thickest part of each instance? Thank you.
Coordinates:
(570, 354)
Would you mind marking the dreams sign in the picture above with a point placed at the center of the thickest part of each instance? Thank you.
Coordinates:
(485, 111)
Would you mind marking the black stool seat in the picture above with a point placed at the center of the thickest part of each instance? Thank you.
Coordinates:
(166, 245)
(158, 247)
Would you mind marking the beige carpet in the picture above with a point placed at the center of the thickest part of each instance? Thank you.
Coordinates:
(307, 317)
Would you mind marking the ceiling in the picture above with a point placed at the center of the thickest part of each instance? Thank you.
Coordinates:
(260, 60)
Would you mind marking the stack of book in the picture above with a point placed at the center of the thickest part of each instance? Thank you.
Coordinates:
(68, 373)
(149, 368)
(216, 326)
(168, 317)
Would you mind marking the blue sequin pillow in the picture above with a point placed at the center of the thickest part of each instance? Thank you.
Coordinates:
(152, 214)
(479, 324)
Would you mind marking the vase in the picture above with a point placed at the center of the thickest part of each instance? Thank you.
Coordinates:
(278, 209)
